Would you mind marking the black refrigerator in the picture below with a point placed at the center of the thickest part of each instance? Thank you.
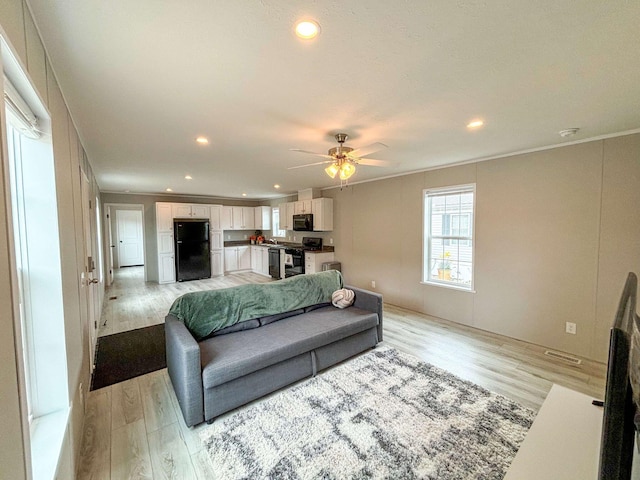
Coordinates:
(193, 260)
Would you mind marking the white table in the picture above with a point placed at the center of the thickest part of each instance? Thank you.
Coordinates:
(563, 442)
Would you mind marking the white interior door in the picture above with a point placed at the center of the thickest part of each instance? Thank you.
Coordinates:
(130, 238)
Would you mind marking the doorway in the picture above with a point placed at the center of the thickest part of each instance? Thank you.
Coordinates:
(124, 237)
(129, 238)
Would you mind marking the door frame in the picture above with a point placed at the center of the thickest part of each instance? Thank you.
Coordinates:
(109, 210)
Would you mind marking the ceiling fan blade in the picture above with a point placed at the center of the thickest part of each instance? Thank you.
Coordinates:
(310, 164)
(310, 153)
(369, 149)
(373, 163)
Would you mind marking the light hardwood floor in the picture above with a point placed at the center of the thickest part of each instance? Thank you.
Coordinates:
(134, 429)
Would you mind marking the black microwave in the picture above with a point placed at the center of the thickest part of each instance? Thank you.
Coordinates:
(303, 222)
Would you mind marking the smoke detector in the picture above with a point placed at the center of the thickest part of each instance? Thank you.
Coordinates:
(568, 132)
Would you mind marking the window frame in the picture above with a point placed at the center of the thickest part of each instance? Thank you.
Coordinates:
(427, 237)
(275, 232)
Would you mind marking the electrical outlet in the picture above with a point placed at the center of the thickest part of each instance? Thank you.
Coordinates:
(373, 284)
(228, 237)
(331, 241)
(295, 239)
(570, 328)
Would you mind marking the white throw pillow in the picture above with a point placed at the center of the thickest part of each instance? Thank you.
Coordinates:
(343, 298)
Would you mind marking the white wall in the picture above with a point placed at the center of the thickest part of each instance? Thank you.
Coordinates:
(18, 29)
(556, 233)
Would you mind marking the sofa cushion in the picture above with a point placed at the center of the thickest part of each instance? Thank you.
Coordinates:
(279, 316)
(228, 357)
(311, 308)
(238, 327)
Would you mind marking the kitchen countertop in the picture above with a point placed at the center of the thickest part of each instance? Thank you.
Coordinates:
(247, 243)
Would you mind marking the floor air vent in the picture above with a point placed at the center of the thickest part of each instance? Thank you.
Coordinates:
(564, 357)
(113, 298)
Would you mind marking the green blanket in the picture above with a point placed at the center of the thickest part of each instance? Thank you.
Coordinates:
(206, 312)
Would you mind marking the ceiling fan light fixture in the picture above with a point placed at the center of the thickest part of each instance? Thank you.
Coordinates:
(332, 170)
(346, 170)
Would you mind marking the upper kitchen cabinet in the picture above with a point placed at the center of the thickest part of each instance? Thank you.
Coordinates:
(262, 218)
(226, 219)
(302, 206)
(287, 210)
(322, 209)
(185, 210)
(164, 217)
(242, 218)
(215, 217)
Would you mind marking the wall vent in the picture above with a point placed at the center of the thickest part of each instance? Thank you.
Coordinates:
(563, 356)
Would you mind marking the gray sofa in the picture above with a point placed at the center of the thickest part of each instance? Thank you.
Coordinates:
(225, 371)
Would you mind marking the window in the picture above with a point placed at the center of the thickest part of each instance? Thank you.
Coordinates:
(275, 221)
(448, 236)
(37, 267)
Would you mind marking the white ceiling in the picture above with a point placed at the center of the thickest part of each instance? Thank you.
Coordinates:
(143, 78)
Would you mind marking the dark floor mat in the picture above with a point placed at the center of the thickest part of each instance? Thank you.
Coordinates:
(125, 355)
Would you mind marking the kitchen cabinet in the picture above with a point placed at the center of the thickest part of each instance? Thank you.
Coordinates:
(242, 218)
(286, 215)
(216, 241)
(164, 217)
(260, 260)
(313, 261)
(215, 217)
(302, 206)
(262, 218)
(226, 218)
(322, 209)
(185, 210)
(166, 268)
(164, 239)
(230, 259)
(217, 263)
(237, 258)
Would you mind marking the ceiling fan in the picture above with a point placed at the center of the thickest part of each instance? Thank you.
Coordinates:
(343, 159)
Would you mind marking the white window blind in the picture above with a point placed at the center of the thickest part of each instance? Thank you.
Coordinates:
(448, 236)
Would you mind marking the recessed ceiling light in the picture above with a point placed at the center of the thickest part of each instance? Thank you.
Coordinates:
(276, 186)
(169, 190)
(568, 132)
(188, 177)
(202, 140)
(475, 124)
(244, 194)
(307, 29)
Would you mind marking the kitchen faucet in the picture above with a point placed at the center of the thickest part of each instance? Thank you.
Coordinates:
(274, 241)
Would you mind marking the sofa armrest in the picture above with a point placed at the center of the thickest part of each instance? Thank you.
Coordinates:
(183, 364)
(371, 301)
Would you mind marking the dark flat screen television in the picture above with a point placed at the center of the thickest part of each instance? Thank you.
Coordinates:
(622, 391)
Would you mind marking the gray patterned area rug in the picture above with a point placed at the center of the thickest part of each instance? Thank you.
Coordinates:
(384, 414)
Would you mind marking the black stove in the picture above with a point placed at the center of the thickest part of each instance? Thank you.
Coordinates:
(294, 256)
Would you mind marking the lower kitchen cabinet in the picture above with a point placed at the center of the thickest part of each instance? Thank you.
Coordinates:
(166, 268)
(313, 261)
(237, 258)
(260, 260)
(217, 263)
